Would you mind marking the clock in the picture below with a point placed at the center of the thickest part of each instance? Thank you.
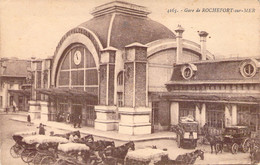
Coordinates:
(77, 57)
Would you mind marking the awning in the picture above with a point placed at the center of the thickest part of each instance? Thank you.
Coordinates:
(57, 92)
(26, 92)
(212, 97)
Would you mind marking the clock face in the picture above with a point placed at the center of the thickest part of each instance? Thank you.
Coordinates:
(77, 57)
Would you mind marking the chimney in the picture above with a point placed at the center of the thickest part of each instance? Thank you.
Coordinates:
(179, 32)
(203, 50)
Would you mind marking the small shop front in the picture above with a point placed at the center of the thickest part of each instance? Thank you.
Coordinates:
(19, 99)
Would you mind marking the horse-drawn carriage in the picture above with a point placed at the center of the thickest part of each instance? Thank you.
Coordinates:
(186, 132)
(236, 137)
(44, 146)
(19, 146)
(69, 153)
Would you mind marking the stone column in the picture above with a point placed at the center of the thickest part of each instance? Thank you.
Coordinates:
(234, 114)
(135, 116)
(174, 113)
(34, 110)
(44, 111)
(198, 114)
(106, 111)
(203, 114)
(228, 112)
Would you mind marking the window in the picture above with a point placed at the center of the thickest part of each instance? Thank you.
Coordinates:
(120, 78)
(248, 115)
(248, 69)
(119, 99)
(215, 115)
(186, 109)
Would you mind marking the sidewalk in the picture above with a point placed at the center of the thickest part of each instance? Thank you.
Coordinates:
(20, 113)
(112, 135)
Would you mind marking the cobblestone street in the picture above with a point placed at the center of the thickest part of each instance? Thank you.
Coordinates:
(8, 127)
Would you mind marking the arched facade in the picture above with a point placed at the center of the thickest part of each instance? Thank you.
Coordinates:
(130, 74)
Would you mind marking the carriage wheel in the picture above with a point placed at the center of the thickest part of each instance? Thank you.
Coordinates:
(59, 162)
(218, 148)
(178, 141)
(47, 160)
(234, 148)
(30, 157)
(16, 151)
(24, 155)
(246, 145)
(37, 159)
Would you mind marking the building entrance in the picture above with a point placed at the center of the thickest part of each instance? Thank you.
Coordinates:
(76, 110)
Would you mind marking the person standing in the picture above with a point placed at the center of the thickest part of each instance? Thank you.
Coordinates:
(29, 119)
(13, 108)
(68, 118)
(79, 120)
(74, 117)
(41, 129)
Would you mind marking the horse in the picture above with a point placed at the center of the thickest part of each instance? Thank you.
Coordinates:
(254, 151)
(190, 158)
(112, 155)
(215, 143)
(100, 145)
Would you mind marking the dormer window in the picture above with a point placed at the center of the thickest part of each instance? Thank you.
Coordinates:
(248, 68)
(188, 71)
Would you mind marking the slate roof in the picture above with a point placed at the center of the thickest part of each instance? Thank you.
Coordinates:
(14, 68)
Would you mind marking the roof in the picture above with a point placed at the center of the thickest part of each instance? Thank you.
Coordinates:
(213, 97)
(57, 92)
(226, 71)
(14, 68)
(124, 27)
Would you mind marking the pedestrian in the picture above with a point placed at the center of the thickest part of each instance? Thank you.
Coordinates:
(6, 109)
(206, 129)
(41, 129)
(74, 118)
(68, 118)
(13, 108)
(79, 120)
(29, 119)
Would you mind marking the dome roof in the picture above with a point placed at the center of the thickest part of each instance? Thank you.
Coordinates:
(118, 24)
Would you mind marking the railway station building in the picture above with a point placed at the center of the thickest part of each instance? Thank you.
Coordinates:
(125, 72)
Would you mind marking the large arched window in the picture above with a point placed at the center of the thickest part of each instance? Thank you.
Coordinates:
(77, 70)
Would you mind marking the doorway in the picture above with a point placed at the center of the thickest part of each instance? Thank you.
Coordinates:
(155, 117)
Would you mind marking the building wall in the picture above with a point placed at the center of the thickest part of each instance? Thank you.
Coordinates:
(161, 67)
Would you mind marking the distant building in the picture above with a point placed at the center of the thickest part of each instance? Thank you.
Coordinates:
(14, 90)
(125, 72)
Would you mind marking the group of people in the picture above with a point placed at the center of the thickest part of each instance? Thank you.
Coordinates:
(73, 118)
(7, 109)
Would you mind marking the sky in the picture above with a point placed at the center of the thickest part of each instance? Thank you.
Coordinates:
(33, 28)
